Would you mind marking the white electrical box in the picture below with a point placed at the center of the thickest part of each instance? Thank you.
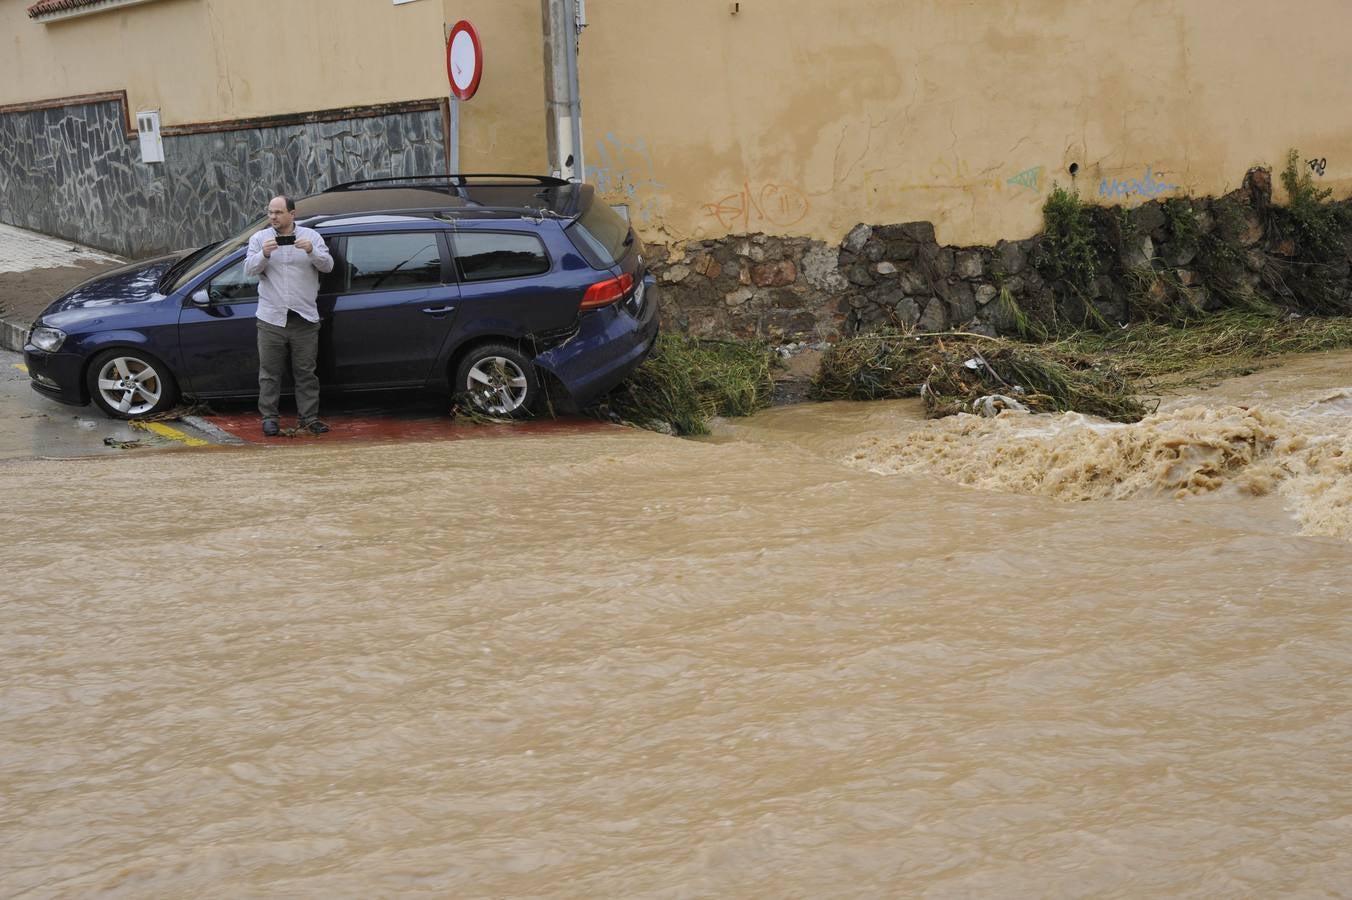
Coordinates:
(148, 127)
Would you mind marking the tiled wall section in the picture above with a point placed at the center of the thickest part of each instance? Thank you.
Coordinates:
(71, 172)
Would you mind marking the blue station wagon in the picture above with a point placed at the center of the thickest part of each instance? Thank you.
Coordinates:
(470, 285)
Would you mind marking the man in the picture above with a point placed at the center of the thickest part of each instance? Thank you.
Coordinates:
(287, 258)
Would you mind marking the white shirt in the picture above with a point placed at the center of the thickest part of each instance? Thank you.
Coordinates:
(289, 279)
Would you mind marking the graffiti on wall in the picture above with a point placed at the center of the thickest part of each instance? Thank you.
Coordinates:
(1030, 179)
(1146, 188)
(778, 205)
(883, 186)
(1317, 166)
(626, 169)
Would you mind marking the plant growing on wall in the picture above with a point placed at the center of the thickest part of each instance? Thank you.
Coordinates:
(1183, 230)
(1315, 275)
(1066, 251)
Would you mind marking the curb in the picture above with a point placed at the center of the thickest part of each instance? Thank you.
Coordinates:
(13, 334)
(219, 435)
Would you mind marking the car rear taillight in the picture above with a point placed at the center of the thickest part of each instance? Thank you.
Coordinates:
(604, 293)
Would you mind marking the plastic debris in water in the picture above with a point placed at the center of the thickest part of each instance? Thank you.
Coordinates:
(992, 405)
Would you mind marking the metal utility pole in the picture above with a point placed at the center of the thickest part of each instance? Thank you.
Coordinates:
(563, 24)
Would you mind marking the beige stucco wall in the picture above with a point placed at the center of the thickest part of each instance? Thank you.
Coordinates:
(208, 60)
(794, 116)
(789, 116)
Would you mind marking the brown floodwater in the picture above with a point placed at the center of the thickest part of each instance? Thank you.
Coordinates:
(836, 650)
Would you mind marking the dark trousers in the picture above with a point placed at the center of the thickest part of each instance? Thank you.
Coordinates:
(297, 343)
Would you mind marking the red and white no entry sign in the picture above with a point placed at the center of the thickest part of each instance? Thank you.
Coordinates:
(464, 60)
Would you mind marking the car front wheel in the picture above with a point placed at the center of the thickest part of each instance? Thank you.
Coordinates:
(126, 384)
(498, 380)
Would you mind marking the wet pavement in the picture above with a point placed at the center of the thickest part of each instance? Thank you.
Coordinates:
(33, 427)
(38, 428)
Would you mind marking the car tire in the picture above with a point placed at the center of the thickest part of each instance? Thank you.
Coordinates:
(130, 384)
(498, 380)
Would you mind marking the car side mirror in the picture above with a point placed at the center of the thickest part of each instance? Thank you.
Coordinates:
(201, 297)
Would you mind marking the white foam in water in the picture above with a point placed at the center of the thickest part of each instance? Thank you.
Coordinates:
(1194, 450)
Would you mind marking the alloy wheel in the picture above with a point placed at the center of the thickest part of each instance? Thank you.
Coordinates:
(498, 385)
(129, 385)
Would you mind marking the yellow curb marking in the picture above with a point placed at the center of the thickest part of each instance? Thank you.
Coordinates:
(21, 367)
(173, 434)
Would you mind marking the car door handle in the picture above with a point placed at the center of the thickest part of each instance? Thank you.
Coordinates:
(439, 310)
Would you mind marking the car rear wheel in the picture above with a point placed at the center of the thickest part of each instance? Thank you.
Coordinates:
(498, 380)
(126, 384)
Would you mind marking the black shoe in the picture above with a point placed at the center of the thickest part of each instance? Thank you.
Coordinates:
(270, 428)
(314, 426)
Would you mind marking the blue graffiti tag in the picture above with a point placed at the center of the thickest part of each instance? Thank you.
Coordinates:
(1146, 187)
(627, 169)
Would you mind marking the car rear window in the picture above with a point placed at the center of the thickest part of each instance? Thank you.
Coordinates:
(486, 255)
(601, 234)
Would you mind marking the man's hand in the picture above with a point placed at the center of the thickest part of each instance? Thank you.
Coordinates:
(268, 246)
(304, 245)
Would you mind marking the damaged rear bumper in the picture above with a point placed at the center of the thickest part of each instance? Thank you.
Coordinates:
(610, 343)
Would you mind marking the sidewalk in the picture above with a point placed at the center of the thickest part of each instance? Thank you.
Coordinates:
(36, 269)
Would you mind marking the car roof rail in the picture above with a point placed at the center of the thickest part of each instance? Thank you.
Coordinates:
(458, 180)
(441, 214)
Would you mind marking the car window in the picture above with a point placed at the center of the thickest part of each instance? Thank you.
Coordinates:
(217, 253)
(382, 262)
(232, 284)
(602, 234)
(485, 255)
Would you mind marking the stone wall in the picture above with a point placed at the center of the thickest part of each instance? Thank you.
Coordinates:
(71, 171)
(754, 287)
(1162, 260)
(791, 290)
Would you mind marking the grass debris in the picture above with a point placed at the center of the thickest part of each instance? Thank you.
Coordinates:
(1105, 374)
(1217, 346)
(685, 382)
(192, 408)
(953, 371)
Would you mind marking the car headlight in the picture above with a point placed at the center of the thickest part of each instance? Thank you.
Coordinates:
(49, 339)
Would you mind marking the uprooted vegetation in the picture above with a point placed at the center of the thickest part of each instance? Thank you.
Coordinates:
(1229, 343)
(685, 382)
(1105, 374)
(957, 372)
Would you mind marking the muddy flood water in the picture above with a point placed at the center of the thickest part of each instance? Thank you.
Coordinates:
(835, 651)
